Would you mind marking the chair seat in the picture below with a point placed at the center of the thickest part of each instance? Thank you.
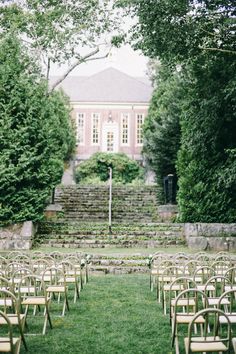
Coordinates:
(209, 287)
(6, 302)
(167, 279)
(183, 302)
(185, 319)
(213, 301)
(228, 287)
(55, 288)
(46, 278)
(27, 289)
(5, 346)
(231, 316)
(12, 318)
(208, 344)
(156, 271)
(68, 279)
(35, 300)
(177, 287)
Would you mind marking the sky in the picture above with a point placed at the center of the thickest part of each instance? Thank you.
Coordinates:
(124, 59)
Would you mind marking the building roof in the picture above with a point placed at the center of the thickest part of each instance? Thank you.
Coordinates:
(109, 85)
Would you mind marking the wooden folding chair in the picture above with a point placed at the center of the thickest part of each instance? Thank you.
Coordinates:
(215, 340)
(218, 284)
(186, 305)
(176, 287)
(72, 277)
(56, 285)
(10, 305)
(8, 343)
(32, 292)
(167, 277)
(230, 310)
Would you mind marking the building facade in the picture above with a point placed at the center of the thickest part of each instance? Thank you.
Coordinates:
(108, 109)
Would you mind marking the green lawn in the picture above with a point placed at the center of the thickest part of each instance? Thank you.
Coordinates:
(115, 314)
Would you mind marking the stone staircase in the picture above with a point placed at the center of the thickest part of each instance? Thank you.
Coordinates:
(82, 224)
(74, 234)
(119, 263)
(129, 204)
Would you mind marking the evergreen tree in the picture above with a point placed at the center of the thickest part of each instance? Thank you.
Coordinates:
(35, 135)
(200, 37)
(162, 128)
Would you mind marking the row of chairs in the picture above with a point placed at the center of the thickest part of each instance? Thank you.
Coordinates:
(200, 295)
(33, 283)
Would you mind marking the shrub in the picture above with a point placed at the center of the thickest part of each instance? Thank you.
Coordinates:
(124, 170)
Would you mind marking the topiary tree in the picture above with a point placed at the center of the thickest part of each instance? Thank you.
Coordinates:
(96, 169)
(35, 136)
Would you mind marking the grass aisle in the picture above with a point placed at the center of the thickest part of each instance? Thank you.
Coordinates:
(115, 315)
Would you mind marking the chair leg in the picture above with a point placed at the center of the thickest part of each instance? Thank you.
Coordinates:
(76, 293)
(45, 325)
(176, 345)
(174, 330)
(47, 318)
(67, 302)
(64, 308)
(18, 348)
(23, 338)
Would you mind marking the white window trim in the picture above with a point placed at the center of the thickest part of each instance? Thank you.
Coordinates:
(136, 128)
(99, 129)
(121, 125)
(77, 126)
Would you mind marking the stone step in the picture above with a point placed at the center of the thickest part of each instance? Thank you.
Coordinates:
(64, 243)
(74, 227)
(116, 236)
(91, 203)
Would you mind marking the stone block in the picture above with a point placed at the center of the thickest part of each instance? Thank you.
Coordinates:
(52, 211)
(167, 212)
(211, 236)
(17, 236)
(197, 243)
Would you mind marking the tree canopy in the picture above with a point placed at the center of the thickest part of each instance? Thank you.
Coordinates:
(179, 30)
(60, 31)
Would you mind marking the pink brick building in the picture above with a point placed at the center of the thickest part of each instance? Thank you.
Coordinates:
(109, 109)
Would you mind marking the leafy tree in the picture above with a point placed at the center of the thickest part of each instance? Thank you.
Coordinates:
(162, 128)
(61, 31)
(199, 36)
(35, 136)
(206, 162)
(124, 170)
(176, 31)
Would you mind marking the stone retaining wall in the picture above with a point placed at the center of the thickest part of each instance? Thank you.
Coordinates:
(17, 236)
(207, 236)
